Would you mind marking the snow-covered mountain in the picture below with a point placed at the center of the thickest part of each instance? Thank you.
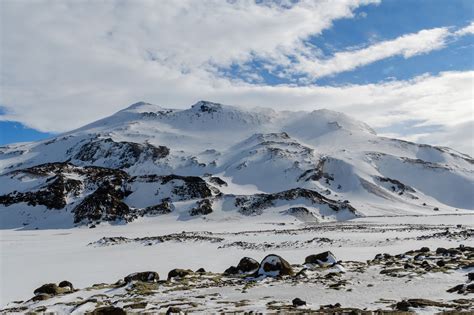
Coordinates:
(218, 161)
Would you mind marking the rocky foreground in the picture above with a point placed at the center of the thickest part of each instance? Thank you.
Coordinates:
(243, 288)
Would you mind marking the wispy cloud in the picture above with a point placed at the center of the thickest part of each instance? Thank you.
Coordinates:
(466, 30)
(407, 46)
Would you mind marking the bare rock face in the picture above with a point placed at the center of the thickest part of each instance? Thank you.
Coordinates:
(217, 181)
(104, 204)
(203, 207)
(145, 276)
(192, 188)
(162, 208)
(273, 266)
(255, 204)
(119, 154)
(52, 195)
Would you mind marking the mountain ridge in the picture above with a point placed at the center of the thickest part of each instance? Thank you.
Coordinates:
(261, 154)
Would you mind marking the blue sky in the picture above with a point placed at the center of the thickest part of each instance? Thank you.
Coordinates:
(404, 67)
(388, 20)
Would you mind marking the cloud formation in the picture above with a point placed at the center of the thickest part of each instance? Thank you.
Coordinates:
(65, 64)
(407, 46)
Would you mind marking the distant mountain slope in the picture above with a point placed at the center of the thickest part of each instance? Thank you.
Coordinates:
(215, 160)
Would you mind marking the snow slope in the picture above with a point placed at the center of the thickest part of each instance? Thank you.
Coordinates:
(218, 156)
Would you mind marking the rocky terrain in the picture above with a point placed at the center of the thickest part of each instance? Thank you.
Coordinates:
(185, 290)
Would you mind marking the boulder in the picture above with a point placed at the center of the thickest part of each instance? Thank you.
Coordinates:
(180, 273)
(232, 270)
(441, 251)
(108, 310)
(246, 265)
(403, 306)
(145, 276)
(462, 288)
(273, 266)
(173, 310)
(298, 302)
(424, 250)
(66, 284)
(51, 289)
(323, 259)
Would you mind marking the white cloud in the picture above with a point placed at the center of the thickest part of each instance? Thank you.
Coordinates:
(460, 136)
(407, 46)
(466, 30)
(60, 57)
(65, 64)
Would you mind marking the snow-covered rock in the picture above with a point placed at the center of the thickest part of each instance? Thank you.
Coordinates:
(324, 259)
(273, 266)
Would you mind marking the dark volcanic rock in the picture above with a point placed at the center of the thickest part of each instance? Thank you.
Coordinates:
(405, 305)
(298, 302)
(119, 154)
(173, 310)
(194, 187)
(108, 310)
(179, 273)
(441, 251)
(396, 186)
(322, 259)
(462, 288)
(252, 205)
(203, 207)
(52, 195)
(316, 174)
(246, 265)
(104, 204)
(274, 265)
(51, 289)
(162, 208)
(182, 187)
(66, 284)
(145, 276)
(217, 181)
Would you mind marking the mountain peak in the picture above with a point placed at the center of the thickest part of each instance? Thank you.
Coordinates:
(141, 107)
(207, 107)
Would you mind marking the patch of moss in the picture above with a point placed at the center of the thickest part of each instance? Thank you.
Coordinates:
(143, 288)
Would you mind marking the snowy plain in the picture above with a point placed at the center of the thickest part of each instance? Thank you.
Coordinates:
(30, 258)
